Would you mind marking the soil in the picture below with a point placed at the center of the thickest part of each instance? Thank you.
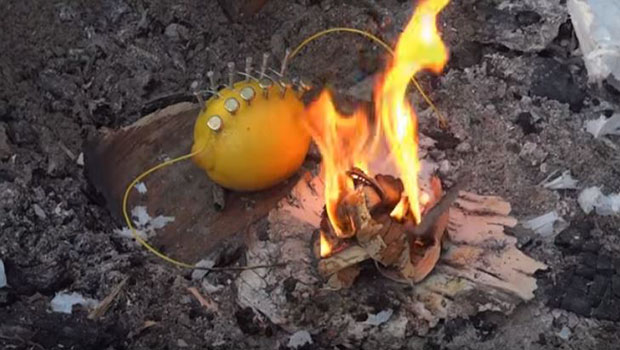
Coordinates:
(516, 110)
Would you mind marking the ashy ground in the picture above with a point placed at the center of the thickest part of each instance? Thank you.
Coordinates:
(515, 92)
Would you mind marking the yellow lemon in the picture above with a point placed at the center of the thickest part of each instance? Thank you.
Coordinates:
(251, 138)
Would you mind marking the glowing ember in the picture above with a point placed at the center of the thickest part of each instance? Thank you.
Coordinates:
(348, 141)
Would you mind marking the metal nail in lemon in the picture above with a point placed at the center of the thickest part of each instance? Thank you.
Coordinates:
(251, 132)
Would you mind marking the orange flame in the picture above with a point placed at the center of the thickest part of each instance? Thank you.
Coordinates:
(348, 141)
(419, 47)
(342, 143)
(325, 247)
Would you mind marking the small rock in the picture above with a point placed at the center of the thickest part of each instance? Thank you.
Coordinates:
(9, 195)
(398, 327)
(299, 339)
(464, 147)
(444, 167)
(211, 288)
(573, 321)
(182, 343)
(66, 13)
(39, 212)
(177, 32)
(200, 274)
(59, 85)
(533, 154)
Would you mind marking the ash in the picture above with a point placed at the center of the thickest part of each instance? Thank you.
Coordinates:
(514, 92)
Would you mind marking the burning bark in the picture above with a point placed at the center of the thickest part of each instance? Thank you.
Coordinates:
(409, 251)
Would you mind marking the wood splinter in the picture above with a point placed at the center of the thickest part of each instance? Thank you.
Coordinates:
(410, 251)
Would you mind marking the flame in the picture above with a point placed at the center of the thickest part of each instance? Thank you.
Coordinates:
(325, 247)
(348, 141)
(342, 143)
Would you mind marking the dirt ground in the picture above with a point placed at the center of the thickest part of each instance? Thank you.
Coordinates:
(514, 91)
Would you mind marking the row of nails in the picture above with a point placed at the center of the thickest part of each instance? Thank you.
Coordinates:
(264, 80)
(247, 93)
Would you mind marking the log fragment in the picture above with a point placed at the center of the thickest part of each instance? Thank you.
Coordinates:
(113, 158)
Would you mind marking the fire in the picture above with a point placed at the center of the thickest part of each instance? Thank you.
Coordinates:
(348, 141)
(324, 246)
(342, 143)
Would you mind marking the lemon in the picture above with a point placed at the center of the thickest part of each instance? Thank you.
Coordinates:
(250, 141)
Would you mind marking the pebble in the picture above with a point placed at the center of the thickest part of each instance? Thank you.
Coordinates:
(444, 167)
(200, 274)
(533, 154)
(182, 343)
(464, 147)
(39, 211)
(177, 32)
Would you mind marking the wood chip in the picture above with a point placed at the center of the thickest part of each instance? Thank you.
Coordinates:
(208, 304)
(103, 307)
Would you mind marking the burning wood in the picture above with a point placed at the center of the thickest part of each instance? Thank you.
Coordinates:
(370, 232)
(473, 267)
(382, 214)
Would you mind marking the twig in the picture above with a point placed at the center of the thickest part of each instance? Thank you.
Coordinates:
(67, 151)
(433, 215)
(202, 300)
(239, 268)
(100, 310)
